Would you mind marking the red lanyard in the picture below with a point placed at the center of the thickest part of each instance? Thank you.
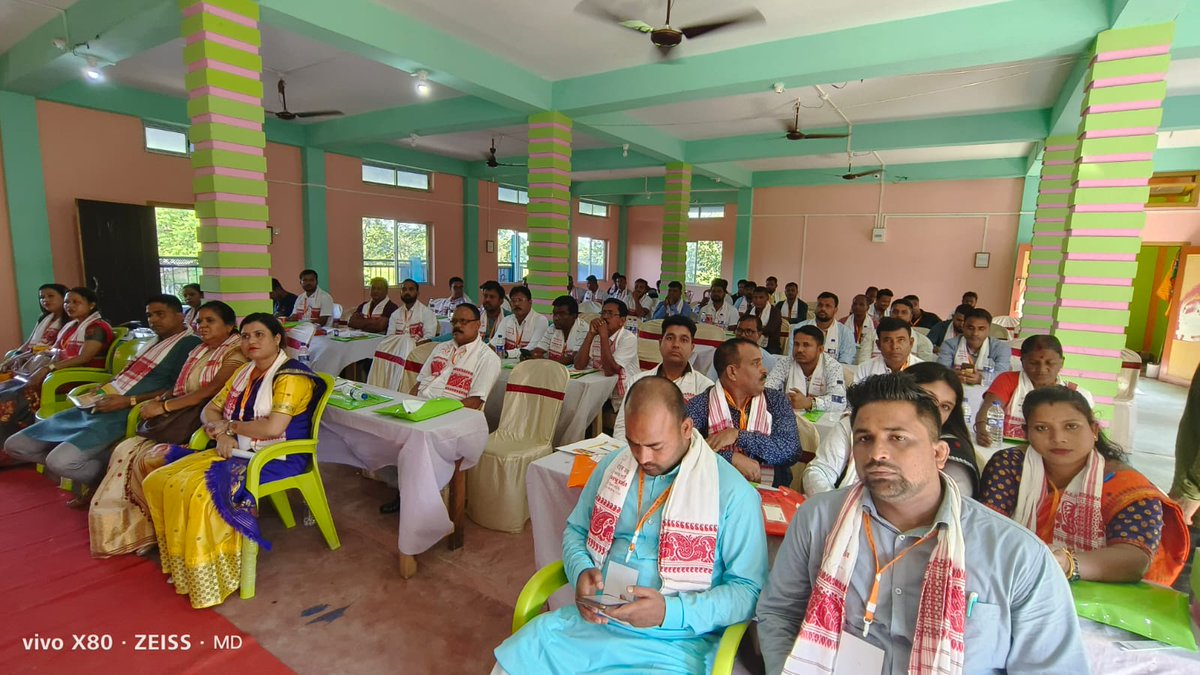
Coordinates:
(873, 598)
(658, 503)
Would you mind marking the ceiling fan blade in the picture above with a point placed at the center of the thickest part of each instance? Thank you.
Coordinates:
(638, 25)
(818, 136)
(596, 10)
(319, 113)
(753, 16)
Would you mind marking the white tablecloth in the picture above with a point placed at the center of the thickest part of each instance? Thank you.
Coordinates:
(331, 356)
(423, 453)
(702, 358)
(584, 399)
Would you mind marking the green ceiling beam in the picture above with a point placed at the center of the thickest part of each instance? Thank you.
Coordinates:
(653, 185)
(1010, 127)
(1180, 112)
(465, 113)
(604, 159)
(401, 156)
(114, 29)
(727, 173)
(960, 170)
(1176, 159)
(373, 31)
(995, 33)
(621, 128)
(1064, 116)
(1134, 13)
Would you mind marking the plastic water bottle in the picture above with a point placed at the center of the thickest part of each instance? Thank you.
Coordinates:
(995, 425)
(303, 357)
(989, 373)
(966, 409)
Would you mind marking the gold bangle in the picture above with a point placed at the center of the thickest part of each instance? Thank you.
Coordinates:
(164, 405)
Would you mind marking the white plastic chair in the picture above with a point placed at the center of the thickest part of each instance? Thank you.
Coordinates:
(533, 400)
(413, 363)
(298, 338)
(387, 368)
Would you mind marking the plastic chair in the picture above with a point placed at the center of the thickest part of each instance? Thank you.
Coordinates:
(413, 363)
(848, 372)
(308, 483)
(552, 577)
(387, 368)
(809, 438)
(335, 315)
(298, 338)
(649, 355)
(651, 330)
(120, 355)
(533, 400)
(709, 334)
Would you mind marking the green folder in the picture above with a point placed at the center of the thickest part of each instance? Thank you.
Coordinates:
(354, 338)
(433, 408)
(814, 416)
(1149, 610)
(339, 400)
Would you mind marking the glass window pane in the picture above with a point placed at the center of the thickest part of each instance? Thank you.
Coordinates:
(378, 174)
(412, 179)
(166, 140)
(512, 195)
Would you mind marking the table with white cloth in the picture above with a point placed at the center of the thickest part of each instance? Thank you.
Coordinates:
(584, 399)
(331, 356)
(425, 455)
(551, 503)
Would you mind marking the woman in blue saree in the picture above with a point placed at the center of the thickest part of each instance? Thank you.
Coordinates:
(198, 502)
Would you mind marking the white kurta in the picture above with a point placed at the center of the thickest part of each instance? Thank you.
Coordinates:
(877, 366)
(446, 306)
(625, 352)
(725, 316)
(555, 345)
(829, 390)
(311, 307)
(690, 384)
(419, 322)
(512, 334)
(485, 370)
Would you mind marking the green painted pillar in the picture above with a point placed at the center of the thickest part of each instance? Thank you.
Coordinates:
(622, 237)
(741, 242)
(224, 83)
(316, 228)
(28, 219)
(549, 210)
(1049, 230)
(1122, 111)
(676, 200)
(1029, 195)
(470, 232)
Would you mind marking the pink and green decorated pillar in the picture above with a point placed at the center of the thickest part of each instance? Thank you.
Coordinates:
(549, 210)
(1049, 232)
(1122, 110)
(676, 199)
(229, 167)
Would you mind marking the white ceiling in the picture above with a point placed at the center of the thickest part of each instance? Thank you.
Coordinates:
(510, 142)
(893, 157)
(1021, 85)
(19, 18)
(1188, 138)
(319, 77)
(551, 39)
(1183, 77)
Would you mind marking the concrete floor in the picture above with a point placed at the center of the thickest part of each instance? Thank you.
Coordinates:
(348, 611)
(1159, 407)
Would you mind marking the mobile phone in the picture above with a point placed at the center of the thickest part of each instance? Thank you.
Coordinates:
(602, 601)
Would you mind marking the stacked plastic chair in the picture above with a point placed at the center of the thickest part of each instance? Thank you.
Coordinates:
(496, 486)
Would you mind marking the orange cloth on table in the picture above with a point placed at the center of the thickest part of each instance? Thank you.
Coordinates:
(581, 471)
(1125, 487)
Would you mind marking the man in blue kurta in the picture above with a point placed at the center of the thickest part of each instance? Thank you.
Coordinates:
(75, 443)
(664, 523)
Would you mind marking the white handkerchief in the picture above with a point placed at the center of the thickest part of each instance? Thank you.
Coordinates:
(412, 405)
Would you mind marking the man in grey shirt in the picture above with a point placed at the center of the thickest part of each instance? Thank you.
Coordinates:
(1014, 606)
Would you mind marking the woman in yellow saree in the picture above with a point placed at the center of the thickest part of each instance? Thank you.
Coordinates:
(118, 521)
(198, 502)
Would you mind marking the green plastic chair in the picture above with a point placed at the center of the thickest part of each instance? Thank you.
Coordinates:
(308, 483)
(121, 353)
(552, 577)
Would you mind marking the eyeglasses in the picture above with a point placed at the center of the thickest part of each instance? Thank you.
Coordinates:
(462, 322)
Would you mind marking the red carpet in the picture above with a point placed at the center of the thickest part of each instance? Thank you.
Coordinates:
(61, 607)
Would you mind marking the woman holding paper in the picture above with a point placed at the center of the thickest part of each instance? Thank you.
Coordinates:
(51, 299)
(1103, 520)
(117, 518)
(198, 502)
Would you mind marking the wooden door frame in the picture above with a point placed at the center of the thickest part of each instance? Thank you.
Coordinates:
(1024, 253)
(1173, 314)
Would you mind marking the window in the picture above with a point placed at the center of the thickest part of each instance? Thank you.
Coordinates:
(178, 249)
(703, 262)
(395, 251)
(381, 174)
(593, 209)
(512, 195)
(707, 211)
(591, 255)
(168, 140)
(512, 248)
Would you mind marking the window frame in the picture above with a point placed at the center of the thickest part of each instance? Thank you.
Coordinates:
(579, 269)
(429, 272)
(706, 211)
(520, 191)
(689, 269)
(523, 237)
(592, 211)
(170, 128)
(396, 170)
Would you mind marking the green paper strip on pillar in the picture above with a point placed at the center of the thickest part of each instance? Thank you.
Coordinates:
(549, 210)
(677, 197)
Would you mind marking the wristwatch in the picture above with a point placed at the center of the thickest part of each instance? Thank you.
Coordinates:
(229, 431)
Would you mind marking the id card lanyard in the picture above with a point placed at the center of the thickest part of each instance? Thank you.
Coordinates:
(873, 598)
(658, 503)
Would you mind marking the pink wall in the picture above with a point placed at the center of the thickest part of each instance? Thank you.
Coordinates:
(348, 200)
(88, 154)
(1172, 226)
(931, 256)
(644, 248)
(10, 317)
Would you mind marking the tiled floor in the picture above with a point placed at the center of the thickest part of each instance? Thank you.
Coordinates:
(1159, 407)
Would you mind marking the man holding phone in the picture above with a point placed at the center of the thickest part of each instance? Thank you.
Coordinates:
(666, 549)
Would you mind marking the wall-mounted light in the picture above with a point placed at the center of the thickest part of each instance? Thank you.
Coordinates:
(93, 70)
(625, 150)
(423, 88)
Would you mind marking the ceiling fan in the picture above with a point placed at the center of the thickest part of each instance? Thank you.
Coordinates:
(492, 162)
(794, 133)
(288, 115)
(862, 174)
(666, 37)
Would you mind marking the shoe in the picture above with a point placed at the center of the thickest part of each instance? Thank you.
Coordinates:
(390, 507)
(81, 501)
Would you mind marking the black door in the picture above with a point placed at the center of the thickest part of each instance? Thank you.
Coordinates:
(120, 257)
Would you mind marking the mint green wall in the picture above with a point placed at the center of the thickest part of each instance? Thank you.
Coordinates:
(28, 221)
(316, 230)
(1145, 304)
